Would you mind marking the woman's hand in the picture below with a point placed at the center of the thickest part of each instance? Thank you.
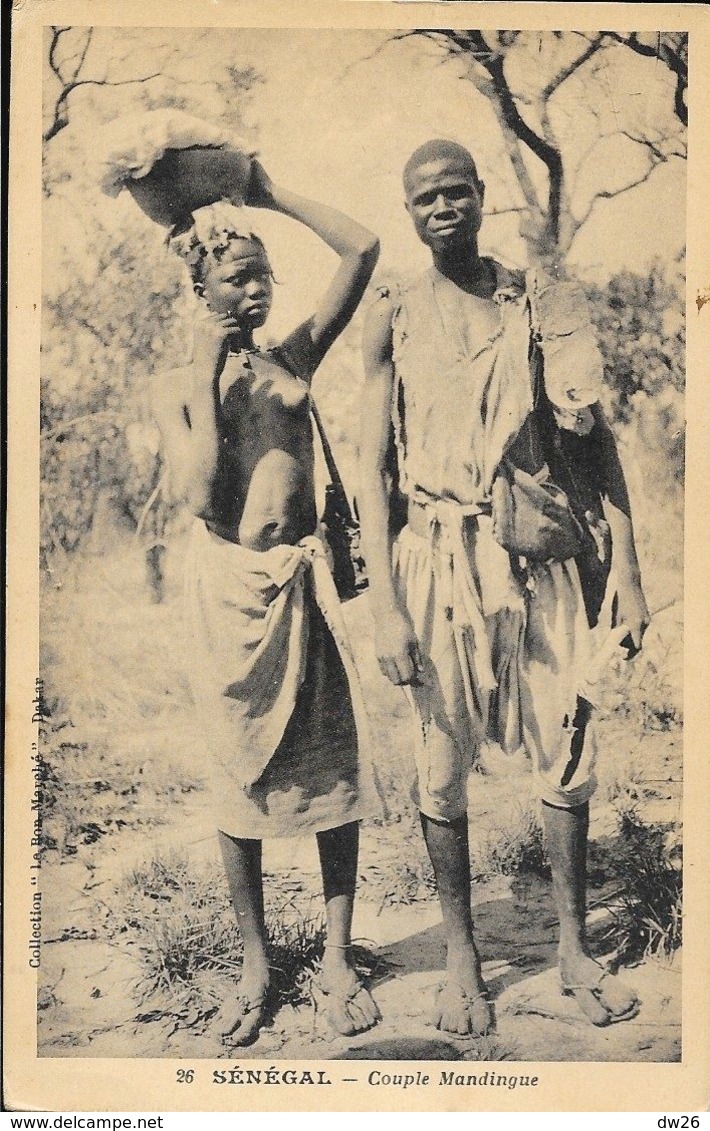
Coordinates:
(397, 648)
(260, 193)
(211, 343)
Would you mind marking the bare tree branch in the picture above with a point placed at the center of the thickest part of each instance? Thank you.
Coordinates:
(82, 54)
(71, 81)
(505, 211)
(610, 194)
(512, 144)
(566, 72)
(60, 106)
(659, 154)
(573, 179)
(57, 33)
(672, 53)
(494, 65)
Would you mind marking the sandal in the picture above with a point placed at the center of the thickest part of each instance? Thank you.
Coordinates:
(350, 1009)
(242, 1014)
(604, 1001)
(459, 1012)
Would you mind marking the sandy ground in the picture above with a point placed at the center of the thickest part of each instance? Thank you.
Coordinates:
(88, 1004)
(88, 1007)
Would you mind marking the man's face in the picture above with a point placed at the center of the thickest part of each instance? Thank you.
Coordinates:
(445, 201)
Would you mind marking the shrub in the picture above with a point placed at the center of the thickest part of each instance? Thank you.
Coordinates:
(647, 913)
(517, 847)
(178, 917)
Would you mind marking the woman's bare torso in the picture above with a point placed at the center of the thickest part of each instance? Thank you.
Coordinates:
(264, 493)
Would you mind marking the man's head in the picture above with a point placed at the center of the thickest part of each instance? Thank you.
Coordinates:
(444, 195)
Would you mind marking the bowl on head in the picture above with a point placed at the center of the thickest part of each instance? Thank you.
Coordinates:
(186, 179)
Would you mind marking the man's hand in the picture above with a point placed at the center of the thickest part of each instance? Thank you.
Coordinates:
(632, 611)
(397, 649)
(260, 193)
(210, 343)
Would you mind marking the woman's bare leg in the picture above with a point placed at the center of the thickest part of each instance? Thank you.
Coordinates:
(242, 863)
(353, 1010)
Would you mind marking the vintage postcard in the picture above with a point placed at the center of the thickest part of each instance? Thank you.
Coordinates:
(357, 615)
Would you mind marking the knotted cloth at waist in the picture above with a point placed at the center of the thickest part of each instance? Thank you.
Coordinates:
(474, 578)
(249, 628)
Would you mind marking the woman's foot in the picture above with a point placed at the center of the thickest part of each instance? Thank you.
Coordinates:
(602, 997)
(349, 1006)
(240, 1018)
(243, 1011)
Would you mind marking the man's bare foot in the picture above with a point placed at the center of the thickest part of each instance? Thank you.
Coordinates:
(349, 1006)
(602, 997)
(463, 1007)
(461, 1013)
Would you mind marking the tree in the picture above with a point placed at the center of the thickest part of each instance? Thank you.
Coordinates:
(67, 58)
(111, 292)
(526, 77)
(641, 331)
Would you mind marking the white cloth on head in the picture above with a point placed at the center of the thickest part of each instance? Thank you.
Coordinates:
(131, 145)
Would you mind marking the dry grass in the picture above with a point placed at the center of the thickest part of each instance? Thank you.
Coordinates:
(178, 919)
(514, 848)
(647, 912)
(88, 790)
(119, 744)
(400, 872)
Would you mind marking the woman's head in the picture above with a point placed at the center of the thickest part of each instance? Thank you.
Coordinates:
(228, 264)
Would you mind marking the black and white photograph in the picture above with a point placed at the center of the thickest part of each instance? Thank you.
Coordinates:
(359, 699)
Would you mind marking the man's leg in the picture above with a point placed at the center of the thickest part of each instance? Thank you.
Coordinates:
(463, 1003)
(566, 832)
(243, 1014)
(352, 1008)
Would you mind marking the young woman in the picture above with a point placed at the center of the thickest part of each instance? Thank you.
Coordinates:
(268, 672)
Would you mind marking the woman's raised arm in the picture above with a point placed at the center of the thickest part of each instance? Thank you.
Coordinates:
(358, 249)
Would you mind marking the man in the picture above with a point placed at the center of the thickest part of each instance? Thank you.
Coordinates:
(489, 646)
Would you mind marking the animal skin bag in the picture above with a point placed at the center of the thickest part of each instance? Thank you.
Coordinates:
(532, 517)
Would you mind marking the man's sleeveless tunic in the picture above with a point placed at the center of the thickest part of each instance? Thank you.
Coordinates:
(503, 659)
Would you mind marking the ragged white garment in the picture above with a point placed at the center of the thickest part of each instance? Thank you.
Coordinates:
(498, 667)
(250, 628)
(503, 662)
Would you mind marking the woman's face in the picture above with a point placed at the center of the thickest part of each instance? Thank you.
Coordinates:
(239, 283)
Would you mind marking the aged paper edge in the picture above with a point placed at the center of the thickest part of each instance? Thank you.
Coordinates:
(36, 1084)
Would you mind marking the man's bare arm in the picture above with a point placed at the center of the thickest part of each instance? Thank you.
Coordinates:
(395, 642)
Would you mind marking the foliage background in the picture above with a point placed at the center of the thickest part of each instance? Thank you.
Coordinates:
(335, 114)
